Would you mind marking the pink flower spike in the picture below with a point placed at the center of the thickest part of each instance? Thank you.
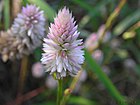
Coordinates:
(62, 43)
(30, 25)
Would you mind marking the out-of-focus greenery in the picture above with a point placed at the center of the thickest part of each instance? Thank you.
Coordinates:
(6, 14)
(114, 81)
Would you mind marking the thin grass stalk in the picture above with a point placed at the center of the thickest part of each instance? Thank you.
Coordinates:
(112, 18)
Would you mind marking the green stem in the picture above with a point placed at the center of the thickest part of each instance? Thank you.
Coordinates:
(59, 91)
(64, 100)
(68, 91)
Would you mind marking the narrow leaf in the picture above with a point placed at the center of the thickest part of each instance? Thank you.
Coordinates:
(127, 22)
(104, 79)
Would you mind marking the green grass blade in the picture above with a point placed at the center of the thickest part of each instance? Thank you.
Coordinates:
(49, 12)
(25, 2)
(1, 14)
(6, 14)
(105, 80)
(127, 22)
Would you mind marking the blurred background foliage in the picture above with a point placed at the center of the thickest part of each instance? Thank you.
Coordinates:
(111, 73)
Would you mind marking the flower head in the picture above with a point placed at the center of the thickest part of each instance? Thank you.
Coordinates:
(98, 55)
(63, 54)
(91, 42)
(11, 47)
(37, 70)
(30, 25)
(63, 29)
(25, 35)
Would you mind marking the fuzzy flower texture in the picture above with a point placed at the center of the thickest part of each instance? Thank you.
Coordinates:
(25, 35)
(30, 26)
(63, 54)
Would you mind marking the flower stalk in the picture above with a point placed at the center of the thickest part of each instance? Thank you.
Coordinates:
(16, 7)
(68, 91)
(23, 73)
(112, 18)
(59, 91)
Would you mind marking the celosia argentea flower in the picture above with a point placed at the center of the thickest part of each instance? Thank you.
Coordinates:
(63, 54)
(30, 26)
(25, 35)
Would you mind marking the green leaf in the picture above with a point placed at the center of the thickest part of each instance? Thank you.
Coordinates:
(49, 12)
(104, 79)
(137, 69)
(127, 22)
(81, 101)
(24, 2)
(6, 14)
(1, 10)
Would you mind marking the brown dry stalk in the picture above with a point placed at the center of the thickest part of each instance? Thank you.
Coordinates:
(27, 96)
(112, 18)
(22, 76)
(16, 6)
